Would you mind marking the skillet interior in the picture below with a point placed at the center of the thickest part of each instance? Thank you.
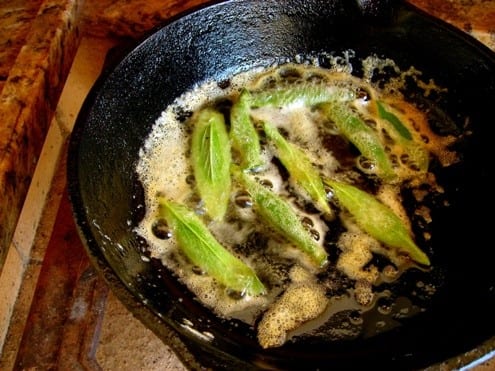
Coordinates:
(230, 37)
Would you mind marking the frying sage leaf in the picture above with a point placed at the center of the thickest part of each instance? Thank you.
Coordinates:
(282, 218)
(211, 159)
(416, 153)
(245, 139)
(377, 219)
(299, 167)
(362, 136)
(394, 120)
(306, 94)
(203, 250)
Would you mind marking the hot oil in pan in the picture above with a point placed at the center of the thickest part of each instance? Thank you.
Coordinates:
(366, 288)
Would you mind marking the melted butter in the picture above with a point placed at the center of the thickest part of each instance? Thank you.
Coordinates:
(164, 169)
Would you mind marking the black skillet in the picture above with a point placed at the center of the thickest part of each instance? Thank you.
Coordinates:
(224, 38)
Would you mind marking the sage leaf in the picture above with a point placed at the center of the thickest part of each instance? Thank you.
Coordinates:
(377, 219)
(305, 94)
(417, 154)
(362, 136)
(394, 120)
(299, 167)
(283, 219)
(211, 159)
(203, 250)
(243, 134)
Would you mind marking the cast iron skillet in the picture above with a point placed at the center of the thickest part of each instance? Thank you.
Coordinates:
(229, 37)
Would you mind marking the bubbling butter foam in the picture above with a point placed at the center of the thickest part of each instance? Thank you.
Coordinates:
(298, 293)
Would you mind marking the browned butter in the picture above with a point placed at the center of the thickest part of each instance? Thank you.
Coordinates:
(301, 299)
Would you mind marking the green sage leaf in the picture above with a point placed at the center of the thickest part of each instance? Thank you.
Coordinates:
(211, 159)
(245, 139)
(306, 94)
(377, 219)
(283, 219)
(394, 120)
(418, 155)
(299, 167)
(362, 136)
(203, 250)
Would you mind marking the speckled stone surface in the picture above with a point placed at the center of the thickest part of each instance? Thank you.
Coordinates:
(129, 19)
(28, 99)
(107, 18)
(475, 17)
(15, 21)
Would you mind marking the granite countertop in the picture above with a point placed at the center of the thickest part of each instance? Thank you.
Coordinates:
(475, 17)
(38, 42)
